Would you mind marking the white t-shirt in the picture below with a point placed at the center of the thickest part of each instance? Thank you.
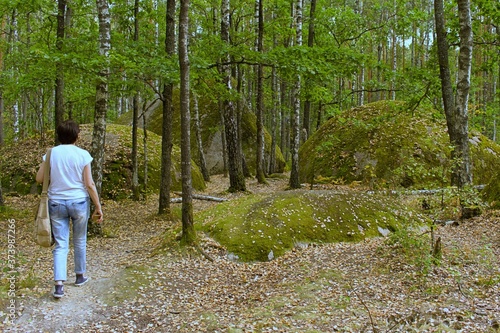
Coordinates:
(66, 172)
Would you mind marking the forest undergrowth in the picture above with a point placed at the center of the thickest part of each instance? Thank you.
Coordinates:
(385, 284)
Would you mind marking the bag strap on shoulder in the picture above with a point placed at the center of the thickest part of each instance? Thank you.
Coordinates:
(46, 172)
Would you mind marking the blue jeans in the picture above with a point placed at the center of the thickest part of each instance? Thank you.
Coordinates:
(61, 211)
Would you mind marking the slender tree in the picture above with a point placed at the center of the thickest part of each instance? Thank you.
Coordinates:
(168, 89)
(101, 100)
(310, 43)
(135, 117)
(59, 84)
(463, 174)
(456, 112)
(260, 174)
(188, 232)
(274, 112)
(199, 141)
(295, 140)
(235, 168)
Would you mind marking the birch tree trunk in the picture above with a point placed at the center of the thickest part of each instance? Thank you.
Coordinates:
(166, 138)
(295, 140)
(235, 168)
(463, 173)
(59, 83)
(188, 232)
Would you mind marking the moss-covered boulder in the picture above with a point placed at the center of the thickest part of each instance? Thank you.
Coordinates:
(261, 227)
(386, 144)
(491, 192)
(20, 161)
(211, 134)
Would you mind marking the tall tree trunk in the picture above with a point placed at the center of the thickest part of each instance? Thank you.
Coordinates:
(188, 232)
(134, 157)
(225, 166)
(135, 118)
(199, 142)
(14, 39)
(464, 170)
(284, 143)
(239, 119)
(101, 101)
(260, 173)
(235, 168)
(361, 75)
(59, 84)
(444, 65)
(456, 114)
(166, 139)
(26, 97)
(274, 130)
(145, 147)
(295, 142)
(394, 55)
(306, 124)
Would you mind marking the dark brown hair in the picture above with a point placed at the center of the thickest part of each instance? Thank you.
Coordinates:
(67, 132)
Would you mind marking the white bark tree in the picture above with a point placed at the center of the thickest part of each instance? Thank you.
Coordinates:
(101, 101)
(295, 140)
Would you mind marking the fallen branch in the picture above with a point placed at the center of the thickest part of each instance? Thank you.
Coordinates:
(206, 255)
(199, 197)
(417, 192)
(368, 310)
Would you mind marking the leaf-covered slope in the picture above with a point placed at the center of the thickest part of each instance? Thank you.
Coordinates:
(20, 161)
(384, 144)
(261, 227)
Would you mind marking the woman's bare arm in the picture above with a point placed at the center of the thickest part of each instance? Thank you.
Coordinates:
(40, 173)
(91, 188)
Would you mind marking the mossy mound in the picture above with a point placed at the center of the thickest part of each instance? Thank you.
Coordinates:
(259, 227)
(385, 144)
(20, 163)
(211, 134)
(491, 192)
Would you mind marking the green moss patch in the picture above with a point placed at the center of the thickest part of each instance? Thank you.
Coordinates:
(261, 227)
(387, 144)
(491, 192)
(126, 285)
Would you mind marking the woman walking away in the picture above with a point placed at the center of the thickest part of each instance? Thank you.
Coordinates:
(71, 185)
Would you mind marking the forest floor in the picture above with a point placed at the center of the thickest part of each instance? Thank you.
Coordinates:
(372, 286)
